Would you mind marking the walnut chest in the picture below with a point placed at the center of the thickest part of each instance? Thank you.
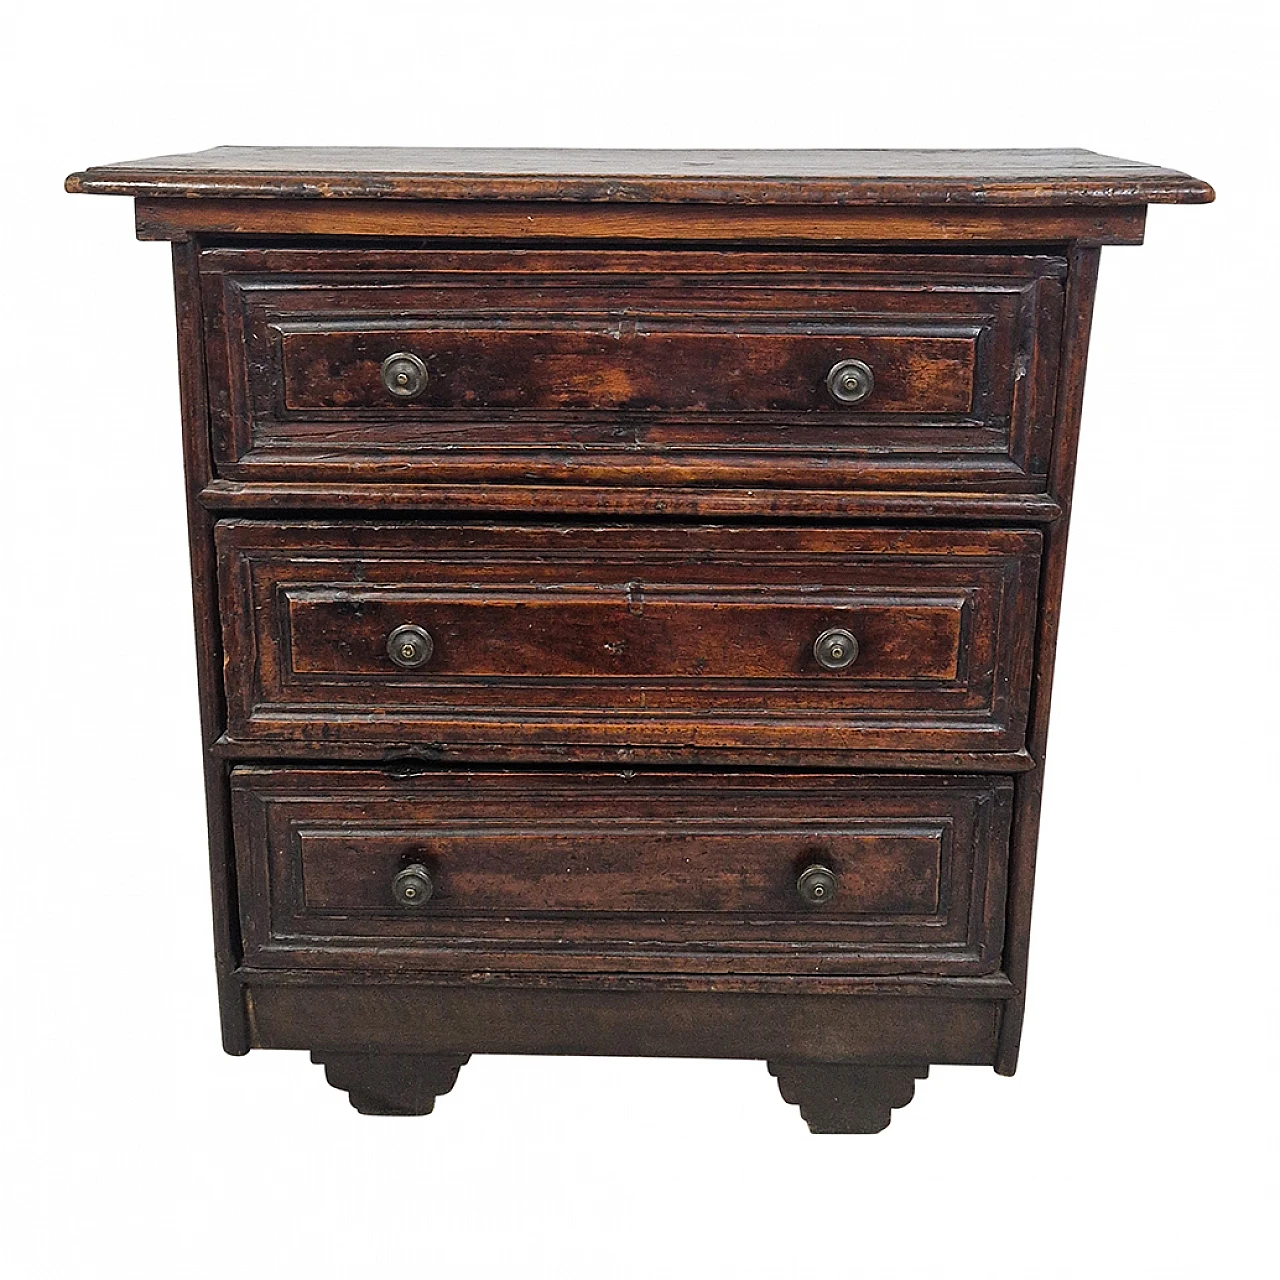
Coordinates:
(626, 589)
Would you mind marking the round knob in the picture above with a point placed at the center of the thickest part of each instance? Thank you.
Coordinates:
(412, 886)
(816, 885)
(409, 647)
(835, 649)
(850, 382)
(404, 375)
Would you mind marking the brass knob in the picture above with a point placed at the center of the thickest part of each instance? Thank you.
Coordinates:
(404, 375)
(835, 649)
(850, 382)
(816, 885)
(412, 886)
(409, 647)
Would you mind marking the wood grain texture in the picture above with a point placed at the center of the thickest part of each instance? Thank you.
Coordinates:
(548, 223)
(405, 758)
(634, 368)
(1082, 290)
(198, 470)
(623, 753)
(618, 873)
(843, 177)
(621, 362)
(637, 502)
(628, 636)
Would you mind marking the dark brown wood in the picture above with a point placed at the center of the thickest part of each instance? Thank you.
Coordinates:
(180, 219)
(391, 1084)
(623, 752)
(198, 468)
(615, 873)
(952, 1022)
(580, 500)
(404, 758)
(1082, 290)
(638, 368)
(680, 636)
(1031, 177)
(836, 1097)
(554, 365)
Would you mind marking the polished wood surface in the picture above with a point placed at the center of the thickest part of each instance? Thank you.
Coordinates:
(623, 510)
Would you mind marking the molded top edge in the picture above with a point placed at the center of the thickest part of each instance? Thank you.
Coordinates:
(782, 177)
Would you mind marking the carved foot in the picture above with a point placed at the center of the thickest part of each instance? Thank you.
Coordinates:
(391, 1084)
(837, 1097)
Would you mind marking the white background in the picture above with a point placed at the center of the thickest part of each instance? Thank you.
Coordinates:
(1139, 1137)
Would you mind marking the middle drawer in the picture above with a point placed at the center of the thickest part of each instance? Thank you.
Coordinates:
(840, 639)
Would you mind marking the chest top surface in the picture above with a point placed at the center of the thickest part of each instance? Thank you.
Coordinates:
(1042, 177)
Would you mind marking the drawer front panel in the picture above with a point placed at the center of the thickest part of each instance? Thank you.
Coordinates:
(596, 362)
(685, 636)
(585, 871)
(633, 367)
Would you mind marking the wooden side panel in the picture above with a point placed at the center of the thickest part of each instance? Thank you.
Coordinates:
(1082, 289)
(198, 469)
(645, 873)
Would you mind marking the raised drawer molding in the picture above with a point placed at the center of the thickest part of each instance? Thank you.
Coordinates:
(626, 637)
(626, 590)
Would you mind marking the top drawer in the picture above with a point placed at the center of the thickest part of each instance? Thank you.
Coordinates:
(633, 368)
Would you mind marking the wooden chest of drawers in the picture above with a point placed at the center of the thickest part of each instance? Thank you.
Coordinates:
(626, 591)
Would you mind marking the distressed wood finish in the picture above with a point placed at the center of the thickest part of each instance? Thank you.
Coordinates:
(624, 509)
(741, 197)
(635, 368)
(639, 224)
(828, 505)
(1083, 288)
(590, 872)
(404, 758)
(1020, 178)
(198, 470)
(686, 636)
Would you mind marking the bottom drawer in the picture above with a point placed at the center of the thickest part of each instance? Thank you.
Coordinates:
(621, 873)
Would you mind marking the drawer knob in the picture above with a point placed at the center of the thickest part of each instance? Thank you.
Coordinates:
(835, 649)
(404, 375)
(409, 647)
(816, 885)
(412, 886)
(850, 382)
